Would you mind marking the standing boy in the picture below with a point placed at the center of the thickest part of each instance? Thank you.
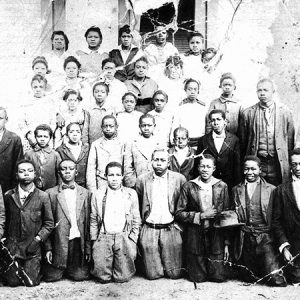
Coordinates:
(200, 201)
(115, 227)
(267, 131)
(182, 155)
(160, 238)
(29, 221)
(224, 147)
(104, 150)
(68, 248)
(254, 208)
(228, 103)
(11, 151)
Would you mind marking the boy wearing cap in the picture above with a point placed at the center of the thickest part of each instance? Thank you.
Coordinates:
(226, 102)
(254, 244)
(200, 201)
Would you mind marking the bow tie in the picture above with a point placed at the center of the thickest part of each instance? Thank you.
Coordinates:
(65, 186)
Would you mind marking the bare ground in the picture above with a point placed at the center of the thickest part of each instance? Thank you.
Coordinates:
(140, 288)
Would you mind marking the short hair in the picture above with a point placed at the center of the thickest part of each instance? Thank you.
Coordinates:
(193, 34)
(227, 75)
(182, 129)
(160, 25)
(188, 81)
(129, 94)
(113, 164)
(102, 84)
(107, 117)
(217, 111)
(160, 92)
(60, 32)
(296, 151)
(71, 124)
(165, 150)
(142, 58)
(25, 161)
(66, 159)
(39, 78)
(107, 60)
(126, 29)
(5, 112)
(209, 51)
(95, 29)
(146, 116)
(72, 59)
(252, 158)
(262, 80)
(72, 92)
(42, 60)
(174, 60)
(207, 156)
(44, 127)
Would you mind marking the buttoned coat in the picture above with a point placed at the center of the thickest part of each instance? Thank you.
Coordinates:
(239, 198)
(284, 134)
(227, 160)
(189, 204)
(131, 208)
(25, 222)
(144, 190)
(11, 151)
(286, 217)
(59, 239)
(81, 161)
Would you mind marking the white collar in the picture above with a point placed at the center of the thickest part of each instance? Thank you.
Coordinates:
(222, 135)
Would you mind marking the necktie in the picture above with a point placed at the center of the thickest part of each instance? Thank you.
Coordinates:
(65, 186)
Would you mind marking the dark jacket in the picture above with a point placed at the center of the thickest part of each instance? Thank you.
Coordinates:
(11, 151)
(127, 72)
(284, 134)
(59, 240)
(81, 162)
(25, 222)
(189, 204)
(227, 160)
(286, 217)
(187, 167)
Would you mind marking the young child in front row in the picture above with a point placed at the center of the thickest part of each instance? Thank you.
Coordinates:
(191, 112)
(128, 119)
(68, 249)
(45, 159)
(181, 154)
(137, 158)
(115, 226)
(75, 150)
(104, 150)
(163, 118)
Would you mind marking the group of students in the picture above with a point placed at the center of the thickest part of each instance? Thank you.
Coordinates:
(86, 189)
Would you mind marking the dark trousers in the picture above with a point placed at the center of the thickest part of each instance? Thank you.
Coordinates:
(30, 266)
(77, 268)
(271, 171)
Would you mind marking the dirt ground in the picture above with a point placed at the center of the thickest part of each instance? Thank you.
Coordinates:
(140, 288)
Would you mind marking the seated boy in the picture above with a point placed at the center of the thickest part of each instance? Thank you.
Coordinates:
(45, 159)
(228, 103)
(254, 208)
(128, 119)
(29, 221)
(68, 247)
(115, 226)
(181, 154)
(160, 239)
(200, 201)
(104, 150)
(75, 150)
(137, 158)
(224, 147)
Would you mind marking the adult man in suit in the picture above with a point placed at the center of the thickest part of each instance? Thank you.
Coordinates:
(286, 218)
(267, 130)
(68, 249)
(224, 147)
(11, 151)
(160, 237)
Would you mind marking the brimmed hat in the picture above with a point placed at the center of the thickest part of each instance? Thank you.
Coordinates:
(227, 219)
